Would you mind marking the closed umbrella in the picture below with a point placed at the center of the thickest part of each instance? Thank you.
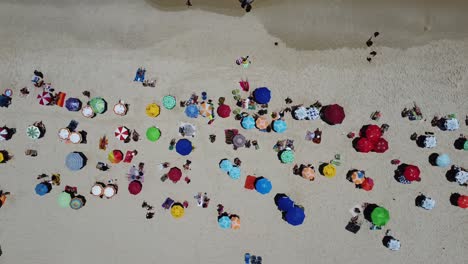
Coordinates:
(134, 187)
(152, 110)
(285, 204)
(224, 222)
(224, 111)
(115, 156)
(411, 173)
(248, 122)
(238, 140)
(174, 174)
(75, 161)
(43, 188)
(287, 156)
(184, 147)
(73, 104)
(169, 102)
(153, 134)
(64, 199)
(329, 171)
(364, 145)
(206, 109)
(279, 126)
(262, 95)
(333, 114)
(121, 133)
(225, 165)
(263, 185)
(77, 202)
(98, 104)
(261, 122)
(373, 133)
(33, 132)
(192, 111)
(308, 173)
(381, 145)
(234, 173)
(295, 216)
(380, 216)
(44, 98)
(177, 210)
(367, 184)
(443, 160)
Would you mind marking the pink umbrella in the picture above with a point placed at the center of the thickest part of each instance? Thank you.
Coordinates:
(44, 98)
(121, 133)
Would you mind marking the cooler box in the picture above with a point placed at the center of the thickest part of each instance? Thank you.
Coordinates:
(250, 182)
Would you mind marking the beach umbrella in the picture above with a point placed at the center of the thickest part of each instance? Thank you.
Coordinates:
(462, 201)
(285, 204)
(97, 189)
(451, 124)
(263, 185)
(411, 173)
(261, 122)
(184, 147)
(120, 109)
(329, 170)
(153, 134)
(206, 109)
(87, 111)
(238, 140)
(248, 122)
(295, 216)
(177, 210)
(4, 135)
(169, 102)
(110, 190)
(224, 222)
(4, 100)
(152, 110)
(313, 113)
(287, 156)
(234, 173)
(43, 188)
(33, 132)
(364, 145)
(443, 160)
(191, 111)
(262, 95)
(381, 145)
(115, 156)
(64, 199)
(461, 177)
(44, 98)
(98, 104)
(64, 133)
(465, 145)
(367, 184)
(373, 133)
(188, 129)
(75, 161)
(134, 187)
(223, 111)
(225, 165)
(73, 104)
(428, 203)
(235, 222)
(394, 244)
(77, 202)
(358, 177)
(308, 173)
(174, 174)
(300, 113)
(380, 216)
(430, 142)
(121, 133)
(75, 138)
(333, 114)
(2, 158)
(279, 126)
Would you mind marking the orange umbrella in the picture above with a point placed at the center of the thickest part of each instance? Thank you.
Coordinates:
(308, 173)
(262, 122)
(235, 222)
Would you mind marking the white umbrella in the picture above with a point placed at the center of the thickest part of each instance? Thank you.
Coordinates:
(120, 109)
(75, 138)
(394, 244)
(300, 113)
(430, 142)
(64, 133)
(428, 203)
(87, 111)
(452, 124)
(461, 177)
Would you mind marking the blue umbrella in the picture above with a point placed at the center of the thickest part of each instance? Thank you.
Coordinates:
(295, 216)
(262, 95)
(73, 104)
(225, 165)
(279, 126)
(75, 161)
(4, 100)
(234, 172)
(248, 122)
(263, 185)
(224, 222)
(192, 111)
(285, 204)
(43, 188)
(184, 147)
(443, 160)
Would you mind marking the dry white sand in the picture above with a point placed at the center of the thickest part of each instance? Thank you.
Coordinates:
(81, 45)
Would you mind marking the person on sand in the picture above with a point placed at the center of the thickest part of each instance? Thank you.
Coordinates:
(188, 3)
(3, 197)
(187, 165)
(220, 209)
(238, 162)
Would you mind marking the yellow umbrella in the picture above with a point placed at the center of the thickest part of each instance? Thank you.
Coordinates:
(261, 122)
(235, 222)
(206, 109)
(1, 157)
(152, 110)
(308, 173)
(329, 171)
(177, 210)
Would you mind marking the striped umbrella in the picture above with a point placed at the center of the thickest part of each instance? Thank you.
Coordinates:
(3, 134)
(33, 132)
(121, 133)
(44, 98)
(206, 109)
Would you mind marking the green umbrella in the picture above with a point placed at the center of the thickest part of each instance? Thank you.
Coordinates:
(287, 156)
(98, 105)
(33, 132)
(465, 146)
(64, 199)
(380, 216)
(153, 134)
(169, 102)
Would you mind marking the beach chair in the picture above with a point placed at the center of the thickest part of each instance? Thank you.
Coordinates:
(229, 134)
(167, 203)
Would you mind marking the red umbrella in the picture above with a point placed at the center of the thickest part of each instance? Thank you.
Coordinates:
(381, 145)
(368, 184)
(364, 145)
(333, 114)
(224, 111)
(463, 201)
(135, 187)
(121, 133)
(174, 174)
(373, 133)
(44, 98)
(116, 157)
(412, 173)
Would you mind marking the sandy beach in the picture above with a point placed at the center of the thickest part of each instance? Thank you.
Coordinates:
(422, 57)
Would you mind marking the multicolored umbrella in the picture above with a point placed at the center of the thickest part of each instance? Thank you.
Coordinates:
(358, 177)
(364, 145)
(223, 111)
(77, 202)
(177, 210)
(443, 160)
(174, 174)
(238, 141)
(33, 132)
(261, 122)
(279, 126)
(381, 145)
(235, 222)
(295, 216)
(152, 110)
(44, 98)
(262, 95)
(287, 156)
(329, 171)
(234, 173)
(263, 185)
(308, 173)
(134, 187)
(191, 111)
(380, 216)
(206, 109)
(411, 173)
(333, 114)
(224, 222)
(75, 161)
(184, 147)
(373, 133)
(64, 199)
(98, 104)
(225, 165)
(4, 135)
(115, 156)
(169, 102)
(248, 122)
(153, 134)
(121, 133)
(43, 188)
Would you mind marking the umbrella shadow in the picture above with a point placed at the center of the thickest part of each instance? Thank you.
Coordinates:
(362, 131)
(420, 141)
(355, 141)
(459, 143)
(85, 159)
(321, 167)
(432, 159)
(450, 175)
(386, 240)
(419, 200)
(278, 197)
(454, 199)
(399, 171)
(368, 211)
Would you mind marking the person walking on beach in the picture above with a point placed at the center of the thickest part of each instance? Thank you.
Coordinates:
(246, 4)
